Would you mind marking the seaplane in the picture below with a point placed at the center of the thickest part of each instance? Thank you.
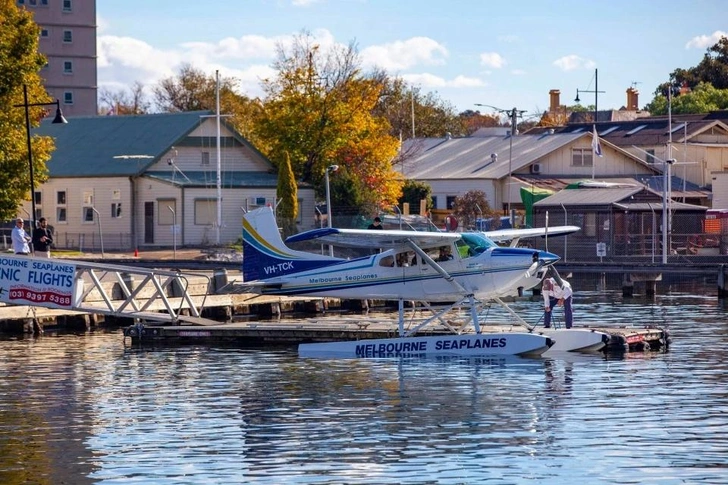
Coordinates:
(456, 270)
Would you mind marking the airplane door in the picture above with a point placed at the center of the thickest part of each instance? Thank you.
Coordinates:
(432, 281)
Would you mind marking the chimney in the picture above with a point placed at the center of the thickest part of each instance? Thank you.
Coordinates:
(632, 99)
(554, 100)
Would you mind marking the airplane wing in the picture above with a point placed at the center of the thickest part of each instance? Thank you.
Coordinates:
(380, 239)
(509, 234)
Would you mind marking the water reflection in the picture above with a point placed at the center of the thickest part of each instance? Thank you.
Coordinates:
(85, 409)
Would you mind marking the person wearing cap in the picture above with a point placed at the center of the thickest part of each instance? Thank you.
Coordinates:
(553, 295)
(377, 224)
(42, 239)
(20, 238)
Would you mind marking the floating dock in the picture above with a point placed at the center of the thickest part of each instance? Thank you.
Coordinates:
(289, 332)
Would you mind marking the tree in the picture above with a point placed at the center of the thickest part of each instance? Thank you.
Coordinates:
(703, 99)
(407, 109)
(712, 69)
(287, 192)
(473, 120)
(318, 108)
(191, 90)
(413, 192)
(20, 64)
(472, 205)
(125, 102)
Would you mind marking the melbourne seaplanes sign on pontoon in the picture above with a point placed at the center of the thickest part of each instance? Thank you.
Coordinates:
(30, 281)
(513, 343)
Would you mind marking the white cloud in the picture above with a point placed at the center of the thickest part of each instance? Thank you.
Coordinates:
(492, 59)
(427, 80)
(518, 72)
(404, 54)
(705, 41)
(303, 3)
(573, 62)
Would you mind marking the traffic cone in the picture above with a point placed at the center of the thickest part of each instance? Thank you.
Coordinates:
(136, 252)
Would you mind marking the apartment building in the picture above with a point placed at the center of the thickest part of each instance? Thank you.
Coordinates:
(68, 40)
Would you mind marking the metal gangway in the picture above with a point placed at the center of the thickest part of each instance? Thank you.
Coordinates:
(146, 295)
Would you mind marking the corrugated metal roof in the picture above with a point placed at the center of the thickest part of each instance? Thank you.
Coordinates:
(468, 158)
(96, 146)
(572, 197)
(209, 179)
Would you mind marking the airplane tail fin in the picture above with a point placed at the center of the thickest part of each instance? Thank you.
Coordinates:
(266, 256)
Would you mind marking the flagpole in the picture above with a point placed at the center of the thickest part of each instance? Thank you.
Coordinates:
(594, 150)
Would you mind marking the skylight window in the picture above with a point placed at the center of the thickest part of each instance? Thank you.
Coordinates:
(632, 132)
(608, 131)
(677, 128)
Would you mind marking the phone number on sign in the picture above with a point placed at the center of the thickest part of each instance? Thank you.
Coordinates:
(39, 296)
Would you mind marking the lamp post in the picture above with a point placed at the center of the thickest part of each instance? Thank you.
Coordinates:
(596, 108)
(514, 114)
(329, 169)
(59, 119)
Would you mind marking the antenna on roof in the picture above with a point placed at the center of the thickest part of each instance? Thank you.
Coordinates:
(635, 83)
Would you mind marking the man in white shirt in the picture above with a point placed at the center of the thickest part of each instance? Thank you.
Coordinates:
(20, 238)
(554, 294)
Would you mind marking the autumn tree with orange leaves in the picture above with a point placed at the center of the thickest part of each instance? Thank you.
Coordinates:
(318, 109)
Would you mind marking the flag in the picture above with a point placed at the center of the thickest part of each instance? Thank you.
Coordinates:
(596, 146)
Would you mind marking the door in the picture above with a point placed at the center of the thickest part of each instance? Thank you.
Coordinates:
(149, 223)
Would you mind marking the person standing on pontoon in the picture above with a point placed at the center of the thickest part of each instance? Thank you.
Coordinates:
(555, 294)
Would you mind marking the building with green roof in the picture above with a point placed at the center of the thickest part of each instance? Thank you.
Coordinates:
(152, 181)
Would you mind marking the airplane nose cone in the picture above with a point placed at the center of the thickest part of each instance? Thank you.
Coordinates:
(546, 257)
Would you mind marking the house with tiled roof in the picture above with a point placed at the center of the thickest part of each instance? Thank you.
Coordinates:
(152, 181)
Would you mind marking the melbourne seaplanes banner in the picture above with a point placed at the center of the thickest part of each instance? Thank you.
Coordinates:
(42, 282)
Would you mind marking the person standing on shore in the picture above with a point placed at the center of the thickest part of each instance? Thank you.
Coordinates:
(42, 239)
(20, 238)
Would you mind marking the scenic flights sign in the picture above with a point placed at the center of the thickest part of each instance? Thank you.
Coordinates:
(47, 283)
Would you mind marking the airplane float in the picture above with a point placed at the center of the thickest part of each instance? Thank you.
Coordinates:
(427, 267)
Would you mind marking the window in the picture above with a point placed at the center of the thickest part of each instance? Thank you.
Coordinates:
(68, 97)
(88, 215)
(434, 202)
(88, 197)
(165, 216)
(44, 2)
(650, 156)
(67, 7)
(67, 67)
(21, 2)
(61, 214)
(590, 224)
(115, 210)
(635, 130)
(609, 130)
(581, 157)
(61, 197)
(205, 158)
(38, 198)
(32, 2)
(205, 212)
(44, 32)
(450, 201)
(116, 195)
(67, 36)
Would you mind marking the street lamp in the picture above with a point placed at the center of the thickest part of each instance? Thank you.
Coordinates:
(514, 114)
(329, 169)
(59, 119)
(596, 109)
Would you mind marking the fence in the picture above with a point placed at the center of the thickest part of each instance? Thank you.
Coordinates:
(80, 241)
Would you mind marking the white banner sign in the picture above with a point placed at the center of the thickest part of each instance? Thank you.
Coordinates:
(42, 282)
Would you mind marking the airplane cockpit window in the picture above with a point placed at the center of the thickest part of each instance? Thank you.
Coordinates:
(472, 244)
(387, 261)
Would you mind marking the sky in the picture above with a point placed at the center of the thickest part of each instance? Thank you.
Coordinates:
(502, 54)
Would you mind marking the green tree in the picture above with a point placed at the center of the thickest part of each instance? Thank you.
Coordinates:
(287, 192)
(703, 99)
(413, 192)
(20, 64)
(318, 108)
(472, 205)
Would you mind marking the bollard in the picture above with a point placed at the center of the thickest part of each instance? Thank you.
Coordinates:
(627, 286)
(722, 293)
(219, 278)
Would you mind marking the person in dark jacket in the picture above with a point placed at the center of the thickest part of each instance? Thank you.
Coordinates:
(42, 239)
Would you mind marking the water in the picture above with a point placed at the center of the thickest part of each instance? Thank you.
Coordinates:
(85, 409)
